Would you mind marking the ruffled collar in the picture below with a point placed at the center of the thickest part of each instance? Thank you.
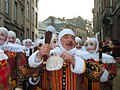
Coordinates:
(105, 58)
(12, 47)
(58, 51)
(3, 56)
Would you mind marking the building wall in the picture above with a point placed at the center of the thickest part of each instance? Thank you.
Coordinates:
(106, 20)
(81, 32)
(31, 24)
(78, 25)
(9, 20)
(116, 20)
(15, 19)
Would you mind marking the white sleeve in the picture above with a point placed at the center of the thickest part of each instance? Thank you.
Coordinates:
(32, 62)
(104, 77)
(79, 66)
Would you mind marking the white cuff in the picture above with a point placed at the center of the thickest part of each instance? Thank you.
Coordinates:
(104, 77)
(79, 66)
(34, 83)
(18, 89)
(32, 62)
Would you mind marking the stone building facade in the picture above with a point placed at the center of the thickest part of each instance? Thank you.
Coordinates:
(20, 16)
(106, 21)
(80, 26)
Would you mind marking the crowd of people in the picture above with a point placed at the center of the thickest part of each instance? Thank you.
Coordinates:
(65, 62)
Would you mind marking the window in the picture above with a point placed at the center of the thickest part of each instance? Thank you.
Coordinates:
(15, 11)
(27, 10)
(21, 36)
(22, 16)
(36, 3)
(36, 19)
(27, 33)
(7, 6)
(32, 36)
(32, 15)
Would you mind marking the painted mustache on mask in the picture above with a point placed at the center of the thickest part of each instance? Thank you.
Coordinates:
(69, 43)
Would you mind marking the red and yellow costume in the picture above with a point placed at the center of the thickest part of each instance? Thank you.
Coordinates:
(62, 79)
(93, 81)
(4, 71)
(15, 60)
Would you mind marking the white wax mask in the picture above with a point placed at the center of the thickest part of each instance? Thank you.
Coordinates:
(90, 46)
(28, 43)
(3, 37)
(11, 39)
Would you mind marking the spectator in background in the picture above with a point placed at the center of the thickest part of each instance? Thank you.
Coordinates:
(11, 37)
(79, 44)
(116, 55)
(17, 41)
(113, 43)
(106, 49)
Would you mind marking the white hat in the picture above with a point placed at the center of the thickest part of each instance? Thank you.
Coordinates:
(51, 28)
(61, 34)
(27, 40)
(11, 33)
(38, 41)
(93, 40)
(3, 29)
(77, 39)
(18, 41)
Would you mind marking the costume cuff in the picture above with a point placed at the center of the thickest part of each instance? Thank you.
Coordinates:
(32, 60)
(18, 89)
(104, 77)
(79, 66)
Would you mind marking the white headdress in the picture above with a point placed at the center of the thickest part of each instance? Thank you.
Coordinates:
(37, 42)
(18, 41)
(51, 28)
(4, 29)
(61, 34)
(95, 41)
(77, 39)
(11, 33)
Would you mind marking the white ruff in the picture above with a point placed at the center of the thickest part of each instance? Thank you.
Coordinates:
(3, 56)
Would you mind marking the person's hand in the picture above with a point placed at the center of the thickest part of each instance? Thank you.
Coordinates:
(68, 57)
(102, 66)
(44, 50)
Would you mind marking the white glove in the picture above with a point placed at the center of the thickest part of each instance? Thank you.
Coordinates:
(32, 79)
(18, 89)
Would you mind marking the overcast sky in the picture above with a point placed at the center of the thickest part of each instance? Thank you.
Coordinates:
(65, 8)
